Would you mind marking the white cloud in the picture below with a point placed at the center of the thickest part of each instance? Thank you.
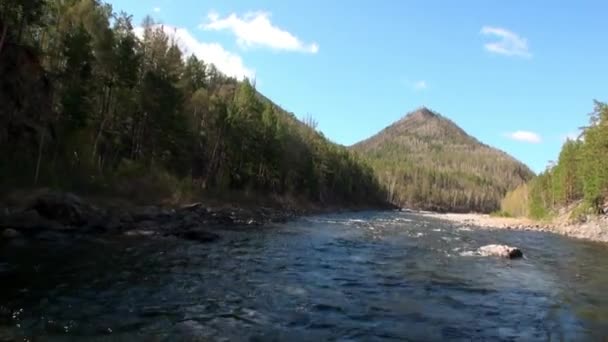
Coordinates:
(508, 43)
(420, 85)
(227, 62)
(525, 136)
(255, 29)
(156, 9)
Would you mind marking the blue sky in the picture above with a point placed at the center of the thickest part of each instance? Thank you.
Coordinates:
(519, 75)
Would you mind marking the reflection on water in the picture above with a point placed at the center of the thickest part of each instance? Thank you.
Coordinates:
(365, 276)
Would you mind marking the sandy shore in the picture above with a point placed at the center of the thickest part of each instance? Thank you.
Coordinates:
(595, 229)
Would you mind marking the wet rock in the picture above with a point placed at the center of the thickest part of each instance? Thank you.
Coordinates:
(65, 208)
(152, 213)
(197, 235)
(125, 217)
(147, 225)
(191, 220)
(140, 232)
(151, 311)
(28, 221)
(67, 213)
(10, 233)
(113, 224)
(503, 251)
(148, 213)
(53, 236)
(99, 224)
(193, 207)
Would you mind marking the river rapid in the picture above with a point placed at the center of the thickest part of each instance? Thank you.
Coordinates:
(372, 276)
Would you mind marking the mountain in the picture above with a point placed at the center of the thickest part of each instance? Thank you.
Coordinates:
(426, 161)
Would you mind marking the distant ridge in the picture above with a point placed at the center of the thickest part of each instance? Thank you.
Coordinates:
(426, 161)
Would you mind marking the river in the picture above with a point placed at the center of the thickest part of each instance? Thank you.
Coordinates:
(373, 276)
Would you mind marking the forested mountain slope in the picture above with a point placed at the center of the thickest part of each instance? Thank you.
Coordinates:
(426, 161)
(87, 105)
(577, 181)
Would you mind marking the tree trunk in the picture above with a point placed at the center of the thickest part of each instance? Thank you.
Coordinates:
(105, 103)
(3, 36)
(21, 25)
(40, 148)
(212, 160)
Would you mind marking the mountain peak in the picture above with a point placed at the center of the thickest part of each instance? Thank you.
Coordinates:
(422, 113)
(429, 162)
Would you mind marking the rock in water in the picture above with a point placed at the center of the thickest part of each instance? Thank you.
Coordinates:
(23, 219)
(10, 233)
(503, 251)
(67, 209)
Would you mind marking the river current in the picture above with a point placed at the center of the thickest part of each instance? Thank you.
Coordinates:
(370, 276)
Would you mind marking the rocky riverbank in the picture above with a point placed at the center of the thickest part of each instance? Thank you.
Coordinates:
(595, 228)
(55, 214)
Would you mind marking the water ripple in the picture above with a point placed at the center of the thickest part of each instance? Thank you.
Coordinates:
(367, 276)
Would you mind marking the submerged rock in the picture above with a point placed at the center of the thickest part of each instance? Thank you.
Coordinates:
(503, 251)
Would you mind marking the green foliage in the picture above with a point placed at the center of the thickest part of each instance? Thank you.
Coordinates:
(143, 183)
(595, 158)
(581, 173)
(540, 196)
(516, 202)
(426, 161)
(134, 117)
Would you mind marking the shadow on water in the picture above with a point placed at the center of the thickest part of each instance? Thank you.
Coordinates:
(365, 276)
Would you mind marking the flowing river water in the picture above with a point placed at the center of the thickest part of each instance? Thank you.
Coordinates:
(371, 276)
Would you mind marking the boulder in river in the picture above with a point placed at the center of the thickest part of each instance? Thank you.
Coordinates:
(65, 208)
(28, 221)
(503, 251)
(10, 233)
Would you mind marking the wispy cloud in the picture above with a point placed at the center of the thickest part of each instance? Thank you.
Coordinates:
(156, 9)
(507, 43)
(420, 85)
(254, 29)
(227, 62)
(525, 136)
(413, 84)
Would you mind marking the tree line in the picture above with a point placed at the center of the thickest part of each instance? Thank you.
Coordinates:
(579, 178)
(85, 103)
